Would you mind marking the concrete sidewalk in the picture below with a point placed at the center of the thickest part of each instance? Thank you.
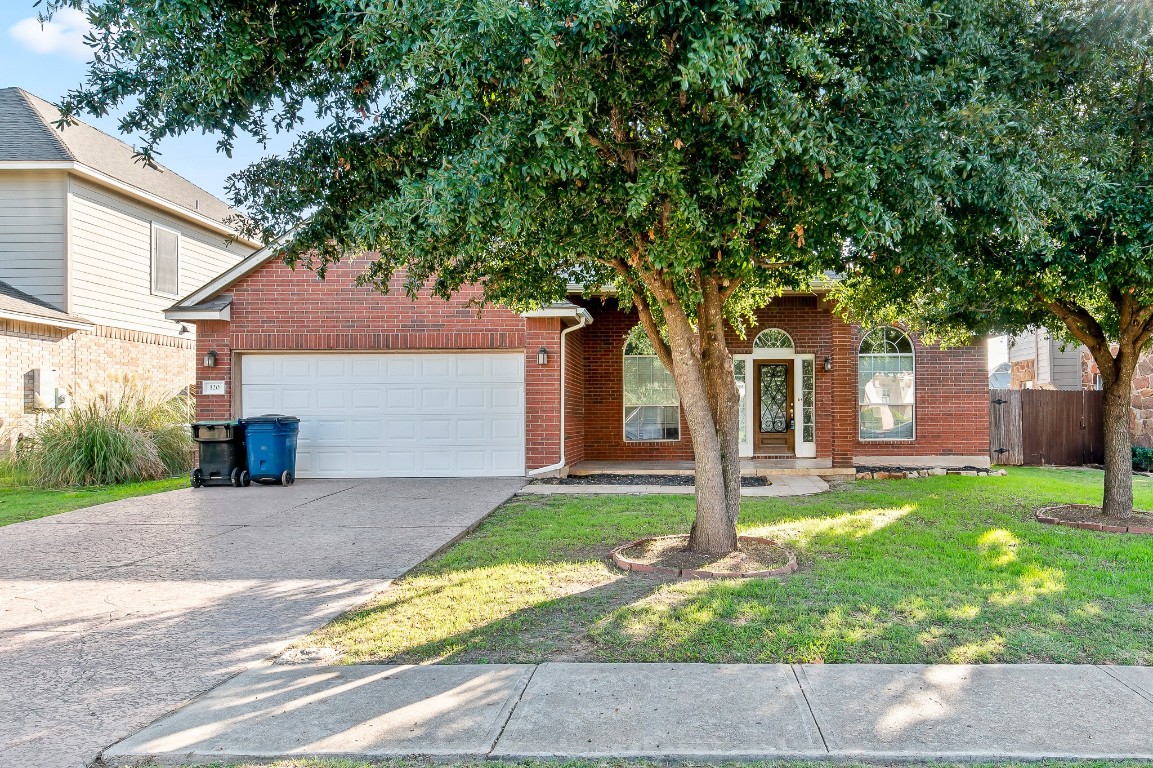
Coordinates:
(662, 711)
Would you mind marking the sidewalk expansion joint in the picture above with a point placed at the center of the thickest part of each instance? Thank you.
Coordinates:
(809, 704)
(1146, 695)
(512, 711)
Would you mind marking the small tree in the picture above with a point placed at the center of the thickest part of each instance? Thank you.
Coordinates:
(700, 156)
(1088, 268)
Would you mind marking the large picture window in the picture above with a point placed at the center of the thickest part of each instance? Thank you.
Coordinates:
(886, 380)
(652, 408)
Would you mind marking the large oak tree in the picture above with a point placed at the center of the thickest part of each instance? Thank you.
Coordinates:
(1087, 267)
(700, 156)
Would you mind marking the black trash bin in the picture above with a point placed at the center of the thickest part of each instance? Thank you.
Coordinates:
(223, 460)
(271, 446)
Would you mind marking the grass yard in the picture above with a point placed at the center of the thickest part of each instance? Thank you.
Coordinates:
(941, 569)
(19, 503)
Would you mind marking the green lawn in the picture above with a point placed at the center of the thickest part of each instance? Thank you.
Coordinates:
(941, 569)
(19, 503)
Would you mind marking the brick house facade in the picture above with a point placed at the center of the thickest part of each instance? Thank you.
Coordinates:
(263, 308)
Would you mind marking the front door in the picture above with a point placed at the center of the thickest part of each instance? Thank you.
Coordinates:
(773, 409)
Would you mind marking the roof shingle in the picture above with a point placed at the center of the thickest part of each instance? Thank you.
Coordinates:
(28, 133)
(14, 300)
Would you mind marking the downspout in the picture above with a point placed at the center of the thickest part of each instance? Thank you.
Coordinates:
(582, 321)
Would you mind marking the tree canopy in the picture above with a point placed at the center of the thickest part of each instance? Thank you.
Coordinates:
(701, 156)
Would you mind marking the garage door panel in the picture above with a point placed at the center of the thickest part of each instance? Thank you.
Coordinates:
(507, 397)
(405, 415)
(299, 368)
(367, 398)
(433, 367)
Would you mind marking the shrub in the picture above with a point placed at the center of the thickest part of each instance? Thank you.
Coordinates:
(124, 436)
(1142, 459)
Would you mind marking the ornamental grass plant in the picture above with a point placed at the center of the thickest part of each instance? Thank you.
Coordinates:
(129, 433)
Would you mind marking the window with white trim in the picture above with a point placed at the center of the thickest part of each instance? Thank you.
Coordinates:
(652, 408)
(165, 261)
(773, 338)
(886, 384)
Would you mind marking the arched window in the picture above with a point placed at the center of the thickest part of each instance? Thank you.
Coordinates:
(652, 408)
(773, 338)
(886, 384)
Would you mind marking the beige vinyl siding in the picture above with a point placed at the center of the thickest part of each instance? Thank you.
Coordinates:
(1021, 347)
(1066, 365)
(111, 270)
(33, 213)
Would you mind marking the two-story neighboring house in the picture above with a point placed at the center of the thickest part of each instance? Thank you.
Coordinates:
(1039, 361)
(94, 245)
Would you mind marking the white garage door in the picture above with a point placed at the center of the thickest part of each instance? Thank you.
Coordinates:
(395, 415)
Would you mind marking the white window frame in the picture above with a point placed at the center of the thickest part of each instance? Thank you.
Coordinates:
(913, 355)
(625, 407)
(152, 261)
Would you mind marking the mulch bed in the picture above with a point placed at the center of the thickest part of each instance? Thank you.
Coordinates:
(1090, 518)
(611, 479)
(666, 556)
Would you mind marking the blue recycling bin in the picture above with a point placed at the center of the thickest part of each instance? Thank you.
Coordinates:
(271, 442)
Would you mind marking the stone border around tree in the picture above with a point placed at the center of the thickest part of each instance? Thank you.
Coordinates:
(1137, 530)
(622, 562)
(900, 473)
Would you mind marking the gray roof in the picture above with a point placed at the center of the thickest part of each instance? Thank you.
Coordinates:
(16, 301)
(28, 133)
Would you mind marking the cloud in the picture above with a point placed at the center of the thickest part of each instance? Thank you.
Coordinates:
(63, 34)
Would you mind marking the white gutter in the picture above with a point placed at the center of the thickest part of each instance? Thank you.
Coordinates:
(193, 314)
(583, 319)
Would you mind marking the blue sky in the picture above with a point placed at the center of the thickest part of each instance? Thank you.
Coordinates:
(48, 62)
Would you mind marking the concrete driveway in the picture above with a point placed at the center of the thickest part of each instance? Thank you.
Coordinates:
(112, 616)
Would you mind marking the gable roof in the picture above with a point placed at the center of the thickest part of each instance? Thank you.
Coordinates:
(28, 134)
(17, 305)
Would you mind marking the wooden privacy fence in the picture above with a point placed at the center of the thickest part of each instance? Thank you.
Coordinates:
(1046, 426)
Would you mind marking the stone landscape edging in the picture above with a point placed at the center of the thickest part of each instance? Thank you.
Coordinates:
(625, 564)
(1136, 530)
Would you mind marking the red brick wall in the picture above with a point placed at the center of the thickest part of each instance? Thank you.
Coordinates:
(952, 388)
(952, 404)
(575, 372)
(542, 393)
(277, 308)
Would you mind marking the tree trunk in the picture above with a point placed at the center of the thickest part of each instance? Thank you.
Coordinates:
(1118, 443)
(1135, 326)
(702, 367)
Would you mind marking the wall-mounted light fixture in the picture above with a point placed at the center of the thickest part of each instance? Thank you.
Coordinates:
(542, 356)
(828, 363)
(210, 358)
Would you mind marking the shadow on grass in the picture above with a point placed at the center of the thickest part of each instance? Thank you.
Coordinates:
(913, 572)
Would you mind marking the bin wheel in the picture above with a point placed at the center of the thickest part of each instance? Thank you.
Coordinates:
(235, 478)
(197, 478)
(245, 478)
(286, 478)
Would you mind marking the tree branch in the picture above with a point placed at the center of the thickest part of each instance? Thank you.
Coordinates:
(645, 313)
